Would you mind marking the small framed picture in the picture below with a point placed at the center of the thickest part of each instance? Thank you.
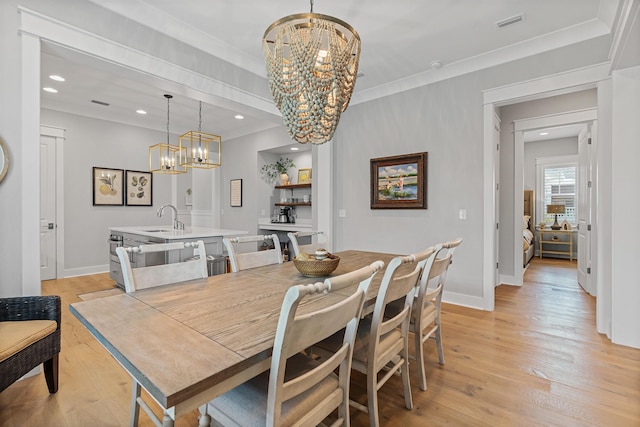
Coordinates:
(236, 193)
(139, 188)
(107, 187)
(304, 176)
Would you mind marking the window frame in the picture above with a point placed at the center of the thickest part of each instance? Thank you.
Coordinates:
(543, 163)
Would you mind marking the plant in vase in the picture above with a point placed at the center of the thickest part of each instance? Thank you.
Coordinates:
(272, 170)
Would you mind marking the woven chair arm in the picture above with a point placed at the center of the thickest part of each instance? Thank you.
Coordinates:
(31, 308)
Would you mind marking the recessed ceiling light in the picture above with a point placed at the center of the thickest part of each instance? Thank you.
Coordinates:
(544, 133)
(294, 148)
(49, 89)
(56, 78)
(141, 112)
(239, 116)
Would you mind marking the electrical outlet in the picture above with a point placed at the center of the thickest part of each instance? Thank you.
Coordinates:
(342, 213)
(463, 214)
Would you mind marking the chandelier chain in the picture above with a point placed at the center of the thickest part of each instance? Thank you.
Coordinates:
(311, 1)
(200, 117)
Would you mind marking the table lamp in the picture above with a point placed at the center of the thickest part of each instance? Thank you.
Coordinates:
(555, 209)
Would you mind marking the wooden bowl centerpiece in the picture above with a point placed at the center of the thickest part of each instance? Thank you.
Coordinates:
(309, 266)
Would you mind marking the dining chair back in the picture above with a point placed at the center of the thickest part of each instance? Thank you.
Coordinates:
(157, 275)
(382, 344)
(256, 257)
(163, 274)
(316, 240)
(425, 319)
(298, 389)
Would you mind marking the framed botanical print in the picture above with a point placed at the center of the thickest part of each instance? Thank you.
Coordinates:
(139, 188)
(107, 187)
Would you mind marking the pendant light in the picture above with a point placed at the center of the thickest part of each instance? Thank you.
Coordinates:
(312, 65)
(167, 158)
(203, 150)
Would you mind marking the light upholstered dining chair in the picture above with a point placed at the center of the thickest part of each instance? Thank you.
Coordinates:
(255, 258)
(425, 317)
(382, 344)
(163, 274)
(299, 390)
(157, 275)
(317, 239)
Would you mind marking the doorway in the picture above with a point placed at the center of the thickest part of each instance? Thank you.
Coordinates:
(51, 206)
(583, 120)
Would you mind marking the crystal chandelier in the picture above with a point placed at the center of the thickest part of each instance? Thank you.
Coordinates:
(312, 64)
(203, 150)
(167, 158)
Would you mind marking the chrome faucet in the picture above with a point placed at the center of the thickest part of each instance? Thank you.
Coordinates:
(177, 225)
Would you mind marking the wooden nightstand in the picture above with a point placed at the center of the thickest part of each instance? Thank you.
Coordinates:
(554, 237)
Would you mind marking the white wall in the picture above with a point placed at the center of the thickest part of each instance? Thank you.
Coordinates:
(625, 207)
(88, 143)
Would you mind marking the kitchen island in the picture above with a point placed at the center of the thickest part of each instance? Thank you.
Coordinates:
(146, 235)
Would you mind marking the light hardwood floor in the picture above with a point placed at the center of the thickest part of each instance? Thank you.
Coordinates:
(534, 361)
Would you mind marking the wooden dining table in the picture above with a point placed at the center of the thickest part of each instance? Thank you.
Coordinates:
(189, 342)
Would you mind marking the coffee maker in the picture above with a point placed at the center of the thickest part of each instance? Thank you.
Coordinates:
(286, 215)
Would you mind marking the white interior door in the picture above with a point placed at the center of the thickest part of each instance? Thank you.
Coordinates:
(496, 162)
(48, 259)
(584, 210)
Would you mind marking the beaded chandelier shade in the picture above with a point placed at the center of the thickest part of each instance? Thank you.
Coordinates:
(203, 150)
(312, 64)
(167, 158)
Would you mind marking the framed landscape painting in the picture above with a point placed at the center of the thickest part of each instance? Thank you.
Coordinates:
(399, 182)
(139, 188)
(107, 187)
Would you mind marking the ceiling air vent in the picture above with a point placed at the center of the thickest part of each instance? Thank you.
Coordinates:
(106, 104)
(510, 21)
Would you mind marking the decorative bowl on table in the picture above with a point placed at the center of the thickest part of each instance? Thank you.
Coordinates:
(309, 266)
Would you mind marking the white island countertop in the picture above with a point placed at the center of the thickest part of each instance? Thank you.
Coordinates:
(167, 232)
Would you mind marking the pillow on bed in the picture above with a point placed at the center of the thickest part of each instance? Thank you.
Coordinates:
(525, 245)
(525, 223)
(527, 235)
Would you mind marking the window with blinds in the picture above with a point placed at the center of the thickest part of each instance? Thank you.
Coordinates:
(560, 187)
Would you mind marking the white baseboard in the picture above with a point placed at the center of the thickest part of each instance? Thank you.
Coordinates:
(508, 280)
(84, 271)
(463, 300)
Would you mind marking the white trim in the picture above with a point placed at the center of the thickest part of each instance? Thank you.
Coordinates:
(542, 87)
(511, 280)
(463, 300)
(552, 120)
(565, 37)
(489, 210)
(553, 85)
(623, 31)
(85, 271)
(570, 160)
(518, 191)
(30, 176)
(212, 91)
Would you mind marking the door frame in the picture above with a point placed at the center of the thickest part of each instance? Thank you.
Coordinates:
(58, 137)
(587, 116)
(548, 86)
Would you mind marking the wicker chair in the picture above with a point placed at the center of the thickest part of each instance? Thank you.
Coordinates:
(44, 350)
